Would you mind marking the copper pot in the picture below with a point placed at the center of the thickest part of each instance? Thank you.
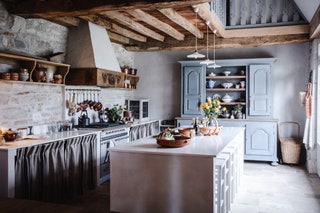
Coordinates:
(127, 114)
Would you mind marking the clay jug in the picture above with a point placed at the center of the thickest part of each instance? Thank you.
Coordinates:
(38, 74)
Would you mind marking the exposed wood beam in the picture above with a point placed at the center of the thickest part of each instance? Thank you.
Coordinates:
(268, 31)
(166, 28)
(207, 15)
(181, 21)
(126, 21)
(244, 42)
(66, 21)
(50, 9)
(114, 28)
(315, 25)
(116, 38)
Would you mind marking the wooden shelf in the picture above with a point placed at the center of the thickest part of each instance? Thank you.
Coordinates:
(227, 77)
(226, 90)
(31, 64)
(233, 103)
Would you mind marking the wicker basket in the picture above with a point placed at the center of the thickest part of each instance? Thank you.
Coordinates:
(211, 130)
(290, 146)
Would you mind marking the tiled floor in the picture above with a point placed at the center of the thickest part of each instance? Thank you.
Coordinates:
(264, 189)
(273, 189)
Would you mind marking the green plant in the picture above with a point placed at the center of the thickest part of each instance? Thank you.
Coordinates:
(115, 113)
(238, 107)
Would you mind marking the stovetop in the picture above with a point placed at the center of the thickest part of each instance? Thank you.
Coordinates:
(102, 125)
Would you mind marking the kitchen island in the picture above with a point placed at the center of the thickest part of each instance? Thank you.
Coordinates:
(201, 177)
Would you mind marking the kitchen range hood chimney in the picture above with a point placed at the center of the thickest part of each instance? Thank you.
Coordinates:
(89, 46)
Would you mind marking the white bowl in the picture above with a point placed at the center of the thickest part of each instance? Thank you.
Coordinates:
(227, 85)
(226, 73)
(227, 100)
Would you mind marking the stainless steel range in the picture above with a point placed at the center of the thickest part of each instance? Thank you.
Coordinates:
(111, 134)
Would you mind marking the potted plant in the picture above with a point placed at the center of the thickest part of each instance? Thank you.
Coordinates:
(238, 110)
(115, 113)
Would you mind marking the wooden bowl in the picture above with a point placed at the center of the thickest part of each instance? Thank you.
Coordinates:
(179, 141)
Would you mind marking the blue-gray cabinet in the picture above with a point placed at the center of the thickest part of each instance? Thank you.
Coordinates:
(192, 92)
(260, 138)
(256, 97)
(260, 95)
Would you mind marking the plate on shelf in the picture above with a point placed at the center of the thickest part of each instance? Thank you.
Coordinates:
(212, 74)
(216, 97)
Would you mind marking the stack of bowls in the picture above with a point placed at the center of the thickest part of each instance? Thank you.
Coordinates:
(5, 76)
(14, 76)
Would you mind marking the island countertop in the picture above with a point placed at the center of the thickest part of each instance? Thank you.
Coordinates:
(199, 146)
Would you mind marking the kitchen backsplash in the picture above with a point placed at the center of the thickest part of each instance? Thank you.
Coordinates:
(28, 104)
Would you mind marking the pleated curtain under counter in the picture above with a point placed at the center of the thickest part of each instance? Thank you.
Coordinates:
(56, 171)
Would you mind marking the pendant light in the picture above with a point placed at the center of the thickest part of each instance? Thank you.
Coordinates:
(207, 61)
(196, 54)
(214, 65)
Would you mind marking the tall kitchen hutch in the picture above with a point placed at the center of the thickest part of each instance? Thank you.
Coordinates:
(251, 88)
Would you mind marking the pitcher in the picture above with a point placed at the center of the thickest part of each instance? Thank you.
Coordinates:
(210, 83)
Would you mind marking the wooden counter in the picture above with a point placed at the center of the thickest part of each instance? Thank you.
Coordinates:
(146, 177)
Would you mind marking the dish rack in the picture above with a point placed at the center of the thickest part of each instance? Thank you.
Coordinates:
(290, 146)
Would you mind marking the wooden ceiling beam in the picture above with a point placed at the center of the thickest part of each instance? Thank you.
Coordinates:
(126, 21)
(214, 22)
(315, 25)
(181, 21)
(119, 39)
(114, 28)
(59, 8)
(66, 21)
(268, 31)
(244, 42)
(164, 27)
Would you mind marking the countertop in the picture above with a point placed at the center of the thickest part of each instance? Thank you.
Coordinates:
(199, 146)
(40, 139)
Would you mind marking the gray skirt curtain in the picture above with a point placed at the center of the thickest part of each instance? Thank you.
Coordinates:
(56, 171)
(144, 130)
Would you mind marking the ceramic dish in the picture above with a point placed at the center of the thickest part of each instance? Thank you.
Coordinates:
(227, 85)
(226, 73)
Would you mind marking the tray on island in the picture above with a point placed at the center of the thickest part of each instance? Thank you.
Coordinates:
(178, 142)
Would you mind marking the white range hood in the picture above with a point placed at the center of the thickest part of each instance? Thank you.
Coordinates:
(89, 46)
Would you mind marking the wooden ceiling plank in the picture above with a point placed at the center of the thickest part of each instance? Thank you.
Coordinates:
(127, 33)
(114, 28)
(181, 21)
(66, 21)
(119, 39)
(126, 21)
(207, 15)
(151, 20)
(268, 31)
(315, 25)
(244, 42)
(59, 8)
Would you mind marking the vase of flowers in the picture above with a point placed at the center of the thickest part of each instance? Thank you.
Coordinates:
(211, 110)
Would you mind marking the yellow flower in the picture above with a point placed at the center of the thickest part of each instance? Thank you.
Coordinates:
(216, 110)
(224, 109)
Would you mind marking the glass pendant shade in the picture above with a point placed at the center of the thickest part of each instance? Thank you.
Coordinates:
(196, 54)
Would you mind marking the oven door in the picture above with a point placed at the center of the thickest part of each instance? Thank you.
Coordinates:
(105, 156)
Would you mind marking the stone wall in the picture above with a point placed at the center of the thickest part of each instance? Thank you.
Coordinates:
(35, 37)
